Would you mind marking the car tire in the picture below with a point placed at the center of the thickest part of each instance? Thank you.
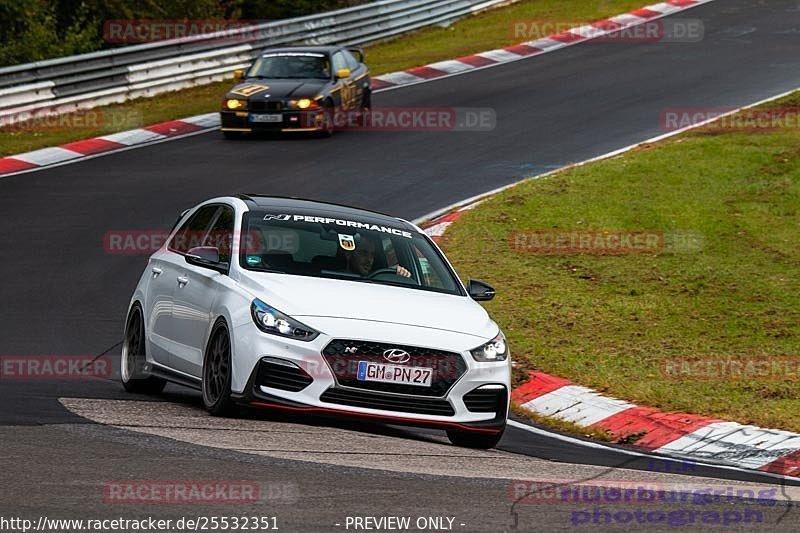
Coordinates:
(217, 372)
(474, 439)
(330, 113)
(366, 102)
(133, 361)
(232, 135)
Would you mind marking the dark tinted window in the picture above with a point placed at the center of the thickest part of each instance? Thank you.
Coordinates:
(221, 234)
(193, 231)
(291, 65)
(353, 250)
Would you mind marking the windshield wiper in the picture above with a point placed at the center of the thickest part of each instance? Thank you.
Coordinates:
(373, 281)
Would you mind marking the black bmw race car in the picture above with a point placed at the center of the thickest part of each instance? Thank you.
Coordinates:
(297, 89)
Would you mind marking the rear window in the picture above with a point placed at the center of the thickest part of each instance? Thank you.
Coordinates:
(355, 250)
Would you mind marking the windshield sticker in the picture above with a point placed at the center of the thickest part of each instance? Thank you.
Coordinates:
(293, 54)
(341, 222)
(251, 88)
(347, 242)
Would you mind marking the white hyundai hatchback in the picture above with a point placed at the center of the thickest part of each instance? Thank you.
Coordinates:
(314, 307)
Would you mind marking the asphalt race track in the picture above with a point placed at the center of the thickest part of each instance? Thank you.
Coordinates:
(63, 294)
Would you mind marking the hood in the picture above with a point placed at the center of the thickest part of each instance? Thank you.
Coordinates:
(301, 296)
(277, 89)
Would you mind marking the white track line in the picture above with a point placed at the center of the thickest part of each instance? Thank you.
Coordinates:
(481, 196)
(551, 45)
(632, 453)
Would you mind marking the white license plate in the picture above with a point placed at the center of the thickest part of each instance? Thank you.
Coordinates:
(404, 375)
(266, 118)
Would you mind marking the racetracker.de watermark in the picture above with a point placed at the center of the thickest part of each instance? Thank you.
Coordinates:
(90, 119)
(605, 242)
(134, 31)
(146, 242)
(445, 119)
(198, 492)
(762, 368)
(54, 367)
(728, 119)
(601, 242)
(669, 30)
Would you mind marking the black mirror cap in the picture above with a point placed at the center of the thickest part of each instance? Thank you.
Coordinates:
(480, 291)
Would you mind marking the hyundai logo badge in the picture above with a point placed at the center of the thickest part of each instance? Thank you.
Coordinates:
(397, 356)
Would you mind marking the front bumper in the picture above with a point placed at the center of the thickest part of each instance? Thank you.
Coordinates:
(292, 375)
(291, 120)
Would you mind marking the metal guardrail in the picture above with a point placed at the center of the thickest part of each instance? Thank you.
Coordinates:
(83, 81)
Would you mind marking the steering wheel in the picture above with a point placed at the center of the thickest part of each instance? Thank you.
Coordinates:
(380, 271)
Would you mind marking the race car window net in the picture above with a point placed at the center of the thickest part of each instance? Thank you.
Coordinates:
(352, 250)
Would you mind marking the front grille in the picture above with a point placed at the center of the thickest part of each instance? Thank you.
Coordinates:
(375, 400)
(264, 106)
(485, 400)
(343, 357)
(282, 376)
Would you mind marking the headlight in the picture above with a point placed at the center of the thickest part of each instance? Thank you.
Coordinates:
(303, 103)
(233, 103)
(494, 350)
(270, 320)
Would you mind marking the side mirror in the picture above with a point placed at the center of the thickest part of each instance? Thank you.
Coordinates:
(206, 257)
(480, 291)
(238, 75)
(342, 73)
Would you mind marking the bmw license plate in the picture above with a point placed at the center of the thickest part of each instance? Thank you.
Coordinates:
(403, 375)
(254, 117)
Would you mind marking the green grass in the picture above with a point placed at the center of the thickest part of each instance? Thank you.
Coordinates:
(486, 31)
(609, 322)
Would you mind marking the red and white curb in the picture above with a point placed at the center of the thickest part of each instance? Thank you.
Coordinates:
(500, 56)
(107, 144)
(436, 227)
(70, 152)
(677, 434)
(682, 435)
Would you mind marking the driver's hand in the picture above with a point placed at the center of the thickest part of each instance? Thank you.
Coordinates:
(402, 272)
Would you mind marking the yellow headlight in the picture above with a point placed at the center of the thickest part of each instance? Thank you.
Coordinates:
(304, 103)
(234, 104)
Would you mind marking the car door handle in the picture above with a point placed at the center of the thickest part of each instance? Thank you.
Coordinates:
(182, 280)
(157, 272)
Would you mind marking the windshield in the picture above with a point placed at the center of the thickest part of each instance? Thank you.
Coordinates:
(353, 250)
(290, 65)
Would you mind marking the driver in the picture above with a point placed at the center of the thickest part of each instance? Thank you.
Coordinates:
(360, 260)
